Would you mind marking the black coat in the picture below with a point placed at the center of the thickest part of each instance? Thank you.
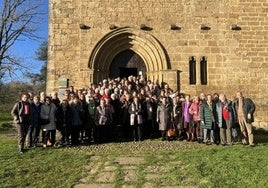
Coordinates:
(248, 108)
(64, 119)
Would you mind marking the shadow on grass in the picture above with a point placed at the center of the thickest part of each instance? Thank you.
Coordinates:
(260, 135)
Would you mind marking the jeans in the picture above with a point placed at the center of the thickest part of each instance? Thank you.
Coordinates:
(209, 133)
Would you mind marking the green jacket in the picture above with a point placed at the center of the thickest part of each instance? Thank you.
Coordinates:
(207, 116)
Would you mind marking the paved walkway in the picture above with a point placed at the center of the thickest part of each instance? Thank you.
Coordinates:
(103, 174)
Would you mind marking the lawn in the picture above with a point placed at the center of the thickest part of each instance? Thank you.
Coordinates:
(164, 164)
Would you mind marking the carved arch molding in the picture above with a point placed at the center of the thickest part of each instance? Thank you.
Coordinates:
(141, 42)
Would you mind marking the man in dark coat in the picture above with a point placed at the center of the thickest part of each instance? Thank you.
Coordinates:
(244, 108)
(64, 122)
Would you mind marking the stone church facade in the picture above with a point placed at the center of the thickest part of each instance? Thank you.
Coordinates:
(193, 45)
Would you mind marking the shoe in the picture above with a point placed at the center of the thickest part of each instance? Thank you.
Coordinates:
(244, 142)
(21, 151)
(252, 145)
(188, 139)
(49, 143)
(44, 146)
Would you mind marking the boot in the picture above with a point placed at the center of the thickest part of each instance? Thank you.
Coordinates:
(192, 139)
(188, 137)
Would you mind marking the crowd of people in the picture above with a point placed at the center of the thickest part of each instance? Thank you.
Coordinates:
(131, 109)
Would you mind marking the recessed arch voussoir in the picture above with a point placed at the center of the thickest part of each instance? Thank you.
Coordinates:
(141, 42)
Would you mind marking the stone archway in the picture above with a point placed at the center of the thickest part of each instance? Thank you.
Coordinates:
(142, 43)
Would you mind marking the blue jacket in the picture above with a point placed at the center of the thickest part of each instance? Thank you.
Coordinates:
(219, 117)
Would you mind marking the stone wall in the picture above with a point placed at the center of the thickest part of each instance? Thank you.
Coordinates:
(236, 59)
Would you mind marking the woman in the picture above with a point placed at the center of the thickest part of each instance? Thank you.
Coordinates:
(177, 114)
(207, 117)
(48, 111)
(163, 117)
(135, 112)
(187, 118)
(194, 111)
(125, 116)
(21, 113)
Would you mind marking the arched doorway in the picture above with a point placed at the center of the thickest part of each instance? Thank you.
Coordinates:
(127, 63)
(145, 45)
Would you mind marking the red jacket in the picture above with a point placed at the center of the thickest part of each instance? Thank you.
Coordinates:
(194, 110)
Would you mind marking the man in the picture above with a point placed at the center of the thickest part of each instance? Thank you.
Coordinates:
(55, 99)
(103, 119)
(34, 129)
(244, 108)
(21, 113)
(224, 119)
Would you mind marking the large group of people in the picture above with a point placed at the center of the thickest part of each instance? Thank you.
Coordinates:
(131, 109)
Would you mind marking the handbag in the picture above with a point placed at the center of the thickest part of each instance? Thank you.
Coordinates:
(44, 121)
(172, 131)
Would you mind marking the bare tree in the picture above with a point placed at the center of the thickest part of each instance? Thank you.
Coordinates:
(19, 20)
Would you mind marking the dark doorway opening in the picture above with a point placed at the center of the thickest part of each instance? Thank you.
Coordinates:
(127, 63)
(126, 72)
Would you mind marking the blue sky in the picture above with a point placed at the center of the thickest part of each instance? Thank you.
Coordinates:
(25, 48)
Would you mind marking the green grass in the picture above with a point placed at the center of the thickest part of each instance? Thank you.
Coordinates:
(39, 167)
(172, 163)
(236, 166)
